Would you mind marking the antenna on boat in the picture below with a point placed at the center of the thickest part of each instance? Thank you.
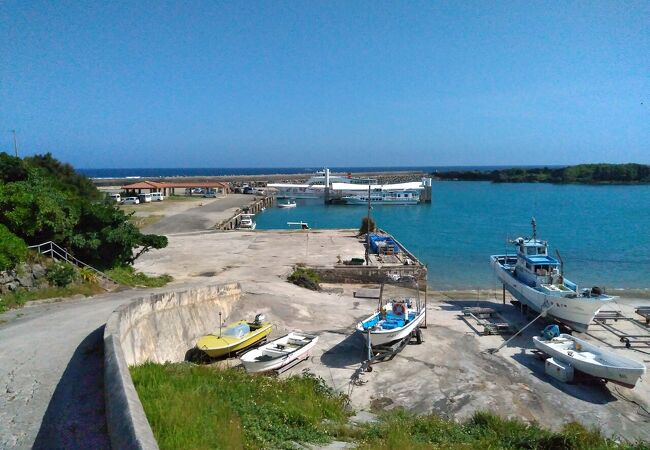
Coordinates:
(557, 252)
(219, 323)
(533, 222)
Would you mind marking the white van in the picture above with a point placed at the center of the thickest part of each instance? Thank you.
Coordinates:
(115, 197)
(157, 197)
(144, 198)
(130, 201)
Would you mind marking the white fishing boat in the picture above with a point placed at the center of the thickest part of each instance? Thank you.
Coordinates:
(394, 321)
(537, 280)
(289, 349)
(289, 204)
(247, 222)
(592, 360)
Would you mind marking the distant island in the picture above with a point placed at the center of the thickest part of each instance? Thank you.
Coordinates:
(581, 173)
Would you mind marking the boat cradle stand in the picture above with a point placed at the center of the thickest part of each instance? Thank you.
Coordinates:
(629, 340)
(386, 352)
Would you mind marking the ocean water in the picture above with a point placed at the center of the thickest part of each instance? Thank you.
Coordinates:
(602, 232)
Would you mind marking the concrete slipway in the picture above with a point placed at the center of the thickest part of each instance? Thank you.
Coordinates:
(48, 353)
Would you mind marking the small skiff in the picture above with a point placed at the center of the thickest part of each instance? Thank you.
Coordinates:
(281, 352)
(235, 337)
(287, 205)
(592, 360)
(394, 322)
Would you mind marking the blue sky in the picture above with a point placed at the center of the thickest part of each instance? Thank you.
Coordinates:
(248, 84)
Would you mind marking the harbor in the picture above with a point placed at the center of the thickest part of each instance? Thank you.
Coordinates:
(421, 377)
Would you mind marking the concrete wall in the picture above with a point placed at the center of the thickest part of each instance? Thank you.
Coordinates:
(368, 274)
(159, 327)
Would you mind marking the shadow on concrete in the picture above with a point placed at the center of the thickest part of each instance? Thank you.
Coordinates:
(584, 387)
(75, 417)
(349, 351)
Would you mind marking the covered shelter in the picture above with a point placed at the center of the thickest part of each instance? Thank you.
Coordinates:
(166, 188)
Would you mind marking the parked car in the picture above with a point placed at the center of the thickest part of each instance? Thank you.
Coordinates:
(248, 190)
(115, 197)
(157, 197)
(131, 201)
(144, 198)
(210, 194)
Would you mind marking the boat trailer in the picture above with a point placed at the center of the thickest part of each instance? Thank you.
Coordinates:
(386, 352)
(630, 340)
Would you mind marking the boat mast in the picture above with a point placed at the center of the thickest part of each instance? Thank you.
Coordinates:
(534, 224)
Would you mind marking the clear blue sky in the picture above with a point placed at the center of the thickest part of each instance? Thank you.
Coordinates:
(247, 84)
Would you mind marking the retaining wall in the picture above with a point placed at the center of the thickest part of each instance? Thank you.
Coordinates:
(159, 327)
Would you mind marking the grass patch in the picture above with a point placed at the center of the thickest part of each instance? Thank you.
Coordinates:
(18, 298)
(305, 277)
(205, 407)
(145, 221)
(128, 276)
(401, 429)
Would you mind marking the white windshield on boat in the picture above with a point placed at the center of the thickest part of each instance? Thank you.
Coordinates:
(237, 331)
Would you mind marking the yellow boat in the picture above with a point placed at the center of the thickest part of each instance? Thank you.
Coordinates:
(235, 337)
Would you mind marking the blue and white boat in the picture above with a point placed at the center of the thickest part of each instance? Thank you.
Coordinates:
(537, 280)
(394, 321)
(379, 196)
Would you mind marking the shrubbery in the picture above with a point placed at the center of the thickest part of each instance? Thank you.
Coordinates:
(13, 250)
(42, 199)
(367, 224)
(61, 274)
(306, 278)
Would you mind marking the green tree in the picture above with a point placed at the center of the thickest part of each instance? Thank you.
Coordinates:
(13, 250)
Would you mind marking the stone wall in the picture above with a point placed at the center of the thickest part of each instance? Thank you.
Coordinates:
(158, 327)
(26, 276)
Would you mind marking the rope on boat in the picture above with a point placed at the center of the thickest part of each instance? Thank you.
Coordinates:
(541, 314)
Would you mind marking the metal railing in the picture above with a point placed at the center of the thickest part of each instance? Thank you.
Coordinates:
(56, 252)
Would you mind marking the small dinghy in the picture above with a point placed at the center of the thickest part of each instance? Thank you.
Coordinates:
(289, 349)
(395, 321)
(235, 337)
(289, 204)
(592, 360)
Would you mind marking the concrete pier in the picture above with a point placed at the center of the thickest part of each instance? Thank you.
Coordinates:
(232, 223)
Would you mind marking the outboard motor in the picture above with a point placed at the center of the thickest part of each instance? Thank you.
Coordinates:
(551, 331)
(596, 291)
(259, 319)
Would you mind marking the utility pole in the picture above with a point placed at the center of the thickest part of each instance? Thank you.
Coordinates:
(368, 230)
(15, 143)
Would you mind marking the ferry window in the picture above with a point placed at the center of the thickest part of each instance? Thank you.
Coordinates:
(531, 251)
(541, 251)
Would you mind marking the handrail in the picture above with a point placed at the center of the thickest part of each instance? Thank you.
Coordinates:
(55, 251)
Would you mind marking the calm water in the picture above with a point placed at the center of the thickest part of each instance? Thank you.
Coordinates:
(603, 232)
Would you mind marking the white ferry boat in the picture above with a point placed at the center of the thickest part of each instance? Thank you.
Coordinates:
(315, 186)
(384, 197)
(537, 280)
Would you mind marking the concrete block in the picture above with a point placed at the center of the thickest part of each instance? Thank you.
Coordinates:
(559, 370)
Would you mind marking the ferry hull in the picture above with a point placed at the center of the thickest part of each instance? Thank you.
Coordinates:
(356, 201)
(576, 312)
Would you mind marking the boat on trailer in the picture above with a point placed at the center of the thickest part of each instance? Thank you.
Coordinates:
(592, 360)
(537, 280)
(282, 352)
(394, 321)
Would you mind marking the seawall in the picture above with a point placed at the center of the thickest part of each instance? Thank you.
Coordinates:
(159, 327)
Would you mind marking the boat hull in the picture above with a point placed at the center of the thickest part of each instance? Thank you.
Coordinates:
(608, 365)
(254, 366)
(382, 337)
(216, 347)
(359, 202)
(576, 312)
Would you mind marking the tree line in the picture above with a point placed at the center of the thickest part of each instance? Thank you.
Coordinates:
(43, 199)
(582, 173)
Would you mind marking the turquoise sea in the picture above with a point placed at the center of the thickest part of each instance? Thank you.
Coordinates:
(602, 232)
